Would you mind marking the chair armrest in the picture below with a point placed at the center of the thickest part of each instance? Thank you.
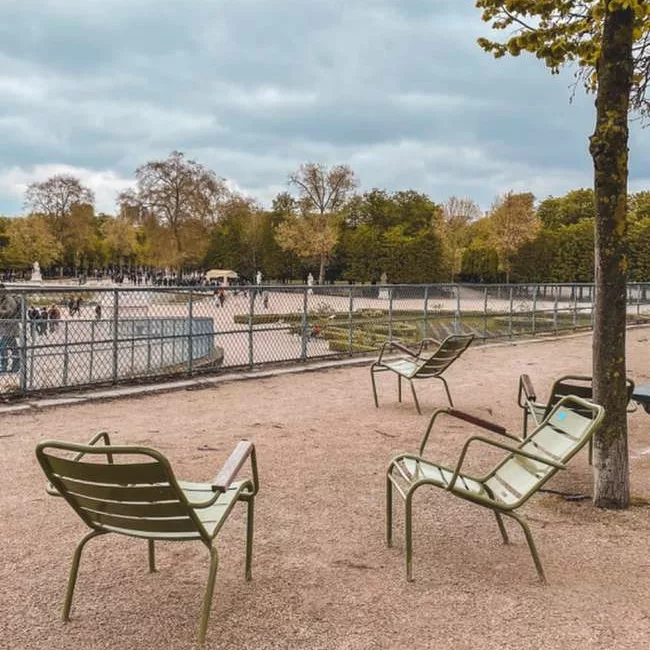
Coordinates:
(394, 344)
(424, 342)
(233, 464)
(104, 437)
(472, 419)
(500, 445)
(526, 389)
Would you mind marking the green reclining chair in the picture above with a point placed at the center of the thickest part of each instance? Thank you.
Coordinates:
(527, 465)
(579, 385)
(420, 364)
(132, 490)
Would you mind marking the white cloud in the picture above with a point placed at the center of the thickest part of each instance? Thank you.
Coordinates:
(399, 90)
(106, 184)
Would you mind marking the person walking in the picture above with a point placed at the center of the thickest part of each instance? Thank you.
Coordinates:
(41, 324)
(98, 312)
(9, 328)
(54, 315)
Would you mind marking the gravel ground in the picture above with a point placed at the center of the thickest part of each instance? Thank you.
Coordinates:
(322, 577)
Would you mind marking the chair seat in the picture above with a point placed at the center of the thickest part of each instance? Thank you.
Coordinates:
(441, 476)
(213, 516)
(403, 366)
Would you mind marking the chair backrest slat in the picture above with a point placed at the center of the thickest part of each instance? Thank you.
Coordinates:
(123, 493)
(156, 509)
(126, 473)
(169, 525)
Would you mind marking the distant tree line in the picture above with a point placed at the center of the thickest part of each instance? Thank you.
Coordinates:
(181, 216)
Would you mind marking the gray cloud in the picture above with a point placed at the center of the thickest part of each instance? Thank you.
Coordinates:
(399, 90)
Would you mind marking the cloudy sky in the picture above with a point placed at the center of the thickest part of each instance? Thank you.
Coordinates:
(398, 89)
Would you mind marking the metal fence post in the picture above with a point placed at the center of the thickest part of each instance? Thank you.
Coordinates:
(251, 310)
(350, 311)
(304, 336)
(510, 312)
(533, 321)
(390, 312)
(132, 346)
(425, 312)
(485, 308)
(457, 313)
(148, 344)
(65, 353)
(575, 308)
(190, 335)
(92, 351)
(557, 296)
(23, 345)
(116, 309)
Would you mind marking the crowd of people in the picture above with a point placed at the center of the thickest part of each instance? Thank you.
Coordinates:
(43, 320)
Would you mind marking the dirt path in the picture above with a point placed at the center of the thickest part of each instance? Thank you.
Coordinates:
(322, 577)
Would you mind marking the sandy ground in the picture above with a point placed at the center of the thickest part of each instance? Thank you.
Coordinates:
(322, 577)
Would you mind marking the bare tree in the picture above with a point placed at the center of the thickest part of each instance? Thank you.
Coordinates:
(181, 195)
(56, 197)
(458, 214)
(323, 193)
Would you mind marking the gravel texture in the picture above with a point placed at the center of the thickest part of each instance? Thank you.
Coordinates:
(322, 576)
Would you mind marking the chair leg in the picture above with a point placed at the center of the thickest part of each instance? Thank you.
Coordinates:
(209, 590)
(249, 537)
(399, 388)
(72, 580)
(591, 451)
(444, 381)
(389, 510)
(502, 528)
(152, 556)
(408, 525)
(531, 546)
(374, 387)
(415, 397)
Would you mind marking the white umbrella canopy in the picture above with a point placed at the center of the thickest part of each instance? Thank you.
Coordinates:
(221, 274)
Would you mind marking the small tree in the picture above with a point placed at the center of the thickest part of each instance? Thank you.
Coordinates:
(323, 193)
(55, 198)
(513, 222)
(458, 214)
(31, 240)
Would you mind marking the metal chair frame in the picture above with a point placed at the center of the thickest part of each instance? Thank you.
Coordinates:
(143, 499)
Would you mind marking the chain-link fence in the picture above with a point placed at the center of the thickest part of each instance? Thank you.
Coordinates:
(71, 337)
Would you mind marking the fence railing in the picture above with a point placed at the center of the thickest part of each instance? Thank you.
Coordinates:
(77, 336)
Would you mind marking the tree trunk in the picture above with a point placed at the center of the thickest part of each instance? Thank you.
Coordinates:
(608, 148)
(321, 270)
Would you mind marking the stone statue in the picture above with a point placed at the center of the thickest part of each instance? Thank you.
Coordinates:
(384, 292)
(310, 284)
(258, 278)
(36, 273)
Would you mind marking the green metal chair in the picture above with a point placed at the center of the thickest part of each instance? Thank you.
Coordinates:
(578, 385)
(526, 467)
(132, 490)
(420, 364)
